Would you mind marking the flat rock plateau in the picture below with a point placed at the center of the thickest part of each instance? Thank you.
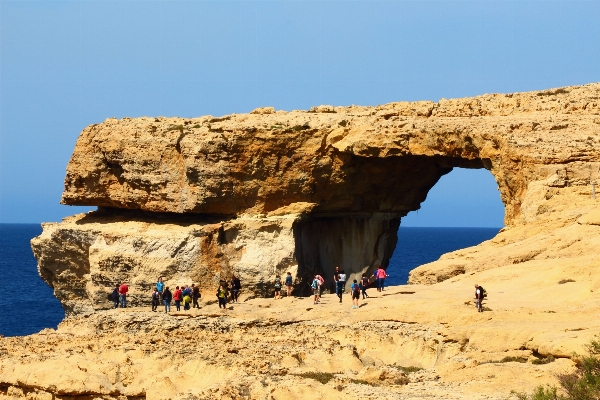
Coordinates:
(260, 194)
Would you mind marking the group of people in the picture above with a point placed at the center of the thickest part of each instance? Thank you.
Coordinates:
(356, 289)
(225, 290)
(119, 295)
(189, 295)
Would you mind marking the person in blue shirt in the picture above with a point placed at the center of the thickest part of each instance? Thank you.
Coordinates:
(160, 286)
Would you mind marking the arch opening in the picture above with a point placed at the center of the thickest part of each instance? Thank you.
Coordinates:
(462, 210)
(359, 239)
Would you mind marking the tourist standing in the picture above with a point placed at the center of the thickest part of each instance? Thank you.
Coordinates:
(123, 289)
(115, 296)
(277, 284)
(338, 283)
(316, 288)
(177, 296)
(479, 295)
(355, 294)
(160, 286)
(167, 297)
(195, 295)
(343, 280)
(288, 283)
(222, 295)
(380, 276)
(364, 285)
(155, 299)
(236, 286)
(186, 295)
(321, 285)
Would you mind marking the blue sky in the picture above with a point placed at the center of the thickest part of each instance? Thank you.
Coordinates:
(65, 65)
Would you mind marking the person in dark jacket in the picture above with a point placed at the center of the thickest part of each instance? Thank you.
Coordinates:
(195, 295)
(236, 286)
(479, 297)
(167, 297)
(115, 296)
(155, 299)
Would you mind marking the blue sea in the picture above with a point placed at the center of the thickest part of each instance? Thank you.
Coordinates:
(28, 304)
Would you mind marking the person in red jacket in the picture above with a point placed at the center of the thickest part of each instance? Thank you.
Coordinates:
(123, 289)
(380, 276)
(177, 296)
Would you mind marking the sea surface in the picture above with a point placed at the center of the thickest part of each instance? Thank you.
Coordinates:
(28, 305)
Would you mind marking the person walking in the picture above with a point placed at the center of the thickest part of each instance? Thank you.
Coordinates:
(123, 289)
(195, 295)
(288, 283)
(479, 295)
(222, 295)
(277, 284)
(316, 288)
(355, 293)
(364, 285)
(177, 296)
(167, 297)
(160, 286)
(115, 296)
(321, 285)
(236, 286)
(338, 283)
(343, 280)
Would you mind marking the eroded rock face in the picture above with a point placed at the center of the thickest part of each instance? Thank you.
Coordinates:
(344, 159)
(270, 192)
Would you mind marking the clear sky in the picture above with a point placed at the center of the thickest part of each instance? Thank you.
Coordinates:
(65, 65)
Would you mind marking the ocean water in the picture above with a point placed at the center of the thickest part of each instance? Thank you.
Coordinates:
(418, 246)
(28, 304)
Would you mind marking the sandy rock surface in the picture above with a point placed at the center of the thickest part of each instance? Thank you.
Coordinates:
(268, 192)
(266, 348)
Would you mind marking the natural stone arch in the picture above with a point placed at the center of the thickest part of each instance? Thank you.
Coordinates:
(271, 182)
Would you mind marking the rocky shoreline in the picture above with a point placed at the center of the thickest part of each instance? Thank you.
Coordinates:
(303, 191)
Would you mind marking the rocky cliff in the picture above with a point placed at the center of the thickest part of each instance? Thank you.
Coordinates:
(304, 191)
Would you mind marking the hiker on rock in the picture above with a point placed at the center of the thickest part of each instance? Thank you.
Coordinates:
(321, 285)
(155, 299)
(195, 296)
(115, 296)
(160, 286)
(167, 297)
(364, 285)
(186, 296)
(289, 283)
(222, 294)
(177, 296)
(316, 288)
(479, 295)
(380, 276)
(338, 283)
(123, 289)
(277, 284)
(343, 280)
(236, 286)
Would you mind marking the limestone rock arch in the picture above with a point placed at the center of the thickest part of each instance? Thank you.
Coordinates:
(270, 191)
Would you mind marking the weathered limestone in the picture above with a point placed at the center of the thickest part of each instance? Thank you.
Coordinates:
(272, 191)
